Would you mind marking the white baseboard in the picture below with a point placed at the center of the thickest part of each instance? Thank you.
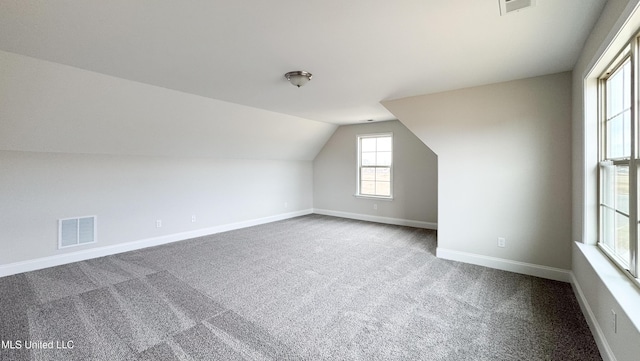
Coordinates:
(594, 326)
(378, 219)
(552, 273)
(57, 260)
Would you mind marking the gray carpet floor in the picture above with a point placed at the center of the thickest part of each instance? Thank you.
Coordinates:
(307, 288)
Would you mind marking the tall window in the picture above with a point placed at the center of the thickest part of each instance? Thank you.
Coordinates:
(619, 161)
(375, 158)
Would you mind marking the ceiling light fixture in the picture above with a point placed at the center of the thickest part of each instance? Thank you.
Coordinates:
(298, 78)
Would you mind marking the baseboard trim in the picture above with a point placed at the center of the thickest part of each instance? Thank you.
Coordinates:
(596, 330)
(552, 273)
(57, 260)
(378, 219)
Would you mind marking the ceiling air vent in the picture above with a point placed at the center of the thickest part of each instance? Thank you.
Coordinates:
(509, 6)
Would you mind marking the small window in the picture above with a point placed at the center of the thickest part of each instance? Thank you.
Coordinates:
(375, 160)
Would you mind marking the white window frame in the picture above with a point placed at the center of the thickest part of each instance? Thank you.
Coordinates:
(359, 166)
(629, 51)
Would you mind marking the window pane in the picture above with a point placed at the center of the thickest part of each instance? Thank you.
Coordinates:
(626, 131)
(618, 118)
(368, 174)
(368, 144)
(368, 158)
(615, 233)
(368, 187)
(384, 144)
(383, 188)
(608, 174)
(384, 158)
(615, 200)
(615, 137)
(627, 85)
(622, 237)
(608, 226)
(619, 136)
(615, 90)
(622, 188)
(383, 174)
(619, 90)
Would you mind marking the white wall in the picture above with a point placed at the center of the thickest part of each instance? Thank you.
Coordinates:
(129, 193)
(415, 176)
(76, 143)
(602, 287)
(504, 159)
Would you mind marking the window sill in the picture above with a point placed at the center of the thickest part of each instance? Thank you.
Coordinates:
(373, 197)
(624, 290)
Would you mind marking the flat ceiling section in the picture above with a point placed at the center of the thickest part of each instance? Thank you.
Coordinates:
(360, 52)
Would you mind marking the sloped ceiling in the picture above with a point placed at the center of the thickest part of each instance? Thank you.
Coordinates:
(48, 107)
(360, 51)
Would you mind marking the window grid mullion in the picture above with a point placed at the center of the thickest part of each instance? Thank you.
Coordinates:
(633, 164)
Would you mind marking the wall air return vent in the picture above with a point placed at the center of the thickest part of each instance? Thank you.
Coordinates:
(76, 231)
(510, 6)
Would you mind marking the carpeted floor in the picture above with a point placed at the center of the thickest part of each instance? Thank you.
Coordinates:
(308, 288)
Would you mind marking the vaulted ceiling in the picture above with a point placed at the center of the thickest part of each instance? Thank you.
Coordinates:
(359, 51)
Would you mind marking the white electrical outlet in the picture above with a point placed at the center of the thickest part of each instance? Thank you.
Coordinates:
(614, 321)
(375, 207)
(158, 223)
(502, 242)
(193, 218)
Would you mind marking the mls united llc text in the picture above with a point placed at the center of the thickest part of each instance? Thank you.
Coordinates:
(28, 345)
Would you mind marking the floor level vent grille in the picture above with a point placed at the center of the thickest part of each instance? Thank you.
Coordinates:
(76, 231)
